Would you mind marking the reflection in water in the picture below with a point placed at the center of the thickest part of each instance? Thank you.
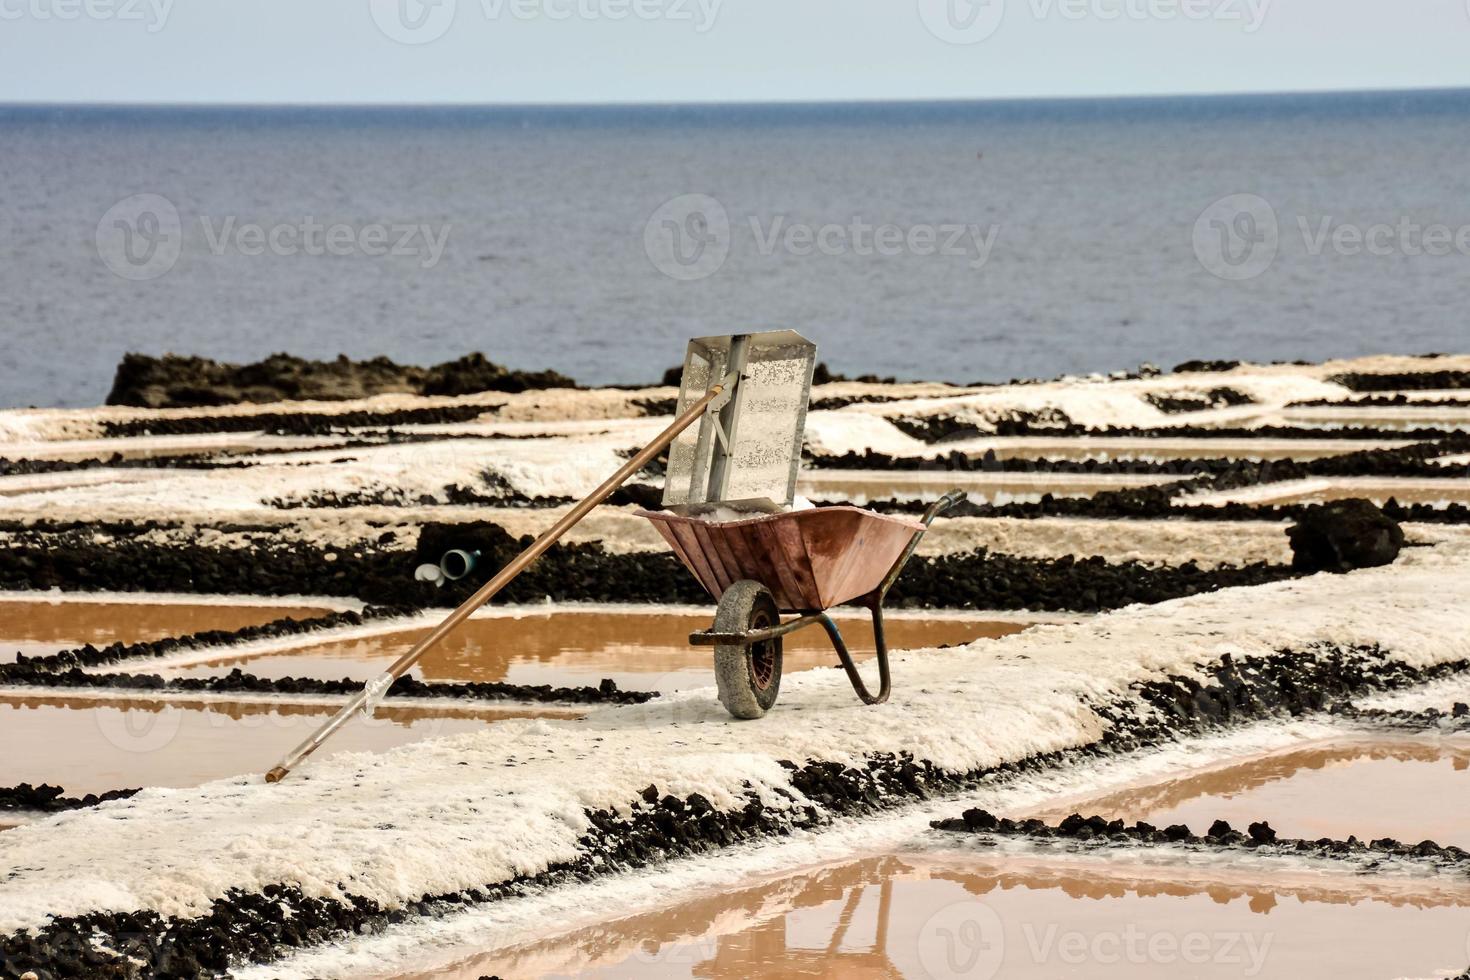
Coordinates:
(574, 648)
(948, 915)
(38, 627)
(89, 745)
(1395, 787)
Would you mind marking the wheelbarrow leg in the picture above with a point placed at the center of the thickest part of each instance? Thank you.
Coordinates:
(885, 681)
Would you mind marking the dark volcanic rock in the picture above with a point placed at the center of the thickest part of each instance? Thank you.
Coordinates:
(53, 799)
(1214, 398)
(1412, 381)
(1097, 832)
(474, 372)
(172, 381)
(292, 423)
(1343, 535)
(639, 495)
(69, 556)
(494, 544)
(1191, 367)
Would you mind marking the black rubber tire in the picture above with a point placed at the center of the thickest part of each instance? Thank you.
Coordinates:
(748, 677)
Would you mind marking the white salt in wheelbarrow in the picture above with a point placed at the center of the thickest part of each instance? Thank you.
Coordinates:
(803, 562)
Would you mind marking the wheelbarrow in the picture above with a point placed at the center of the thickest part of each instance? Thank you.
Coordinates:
(803, 562)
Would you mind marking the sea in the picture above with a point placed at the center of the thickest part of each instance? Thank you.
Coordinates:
(954, 241)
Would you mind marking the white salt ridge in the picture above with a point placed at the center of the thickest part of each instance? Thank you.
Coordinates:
(1442, 695)
(593, 426)
(1087, 401)
(158, 445)
(533, 467)
(551, 404)
(1101, 404)
(467, 810)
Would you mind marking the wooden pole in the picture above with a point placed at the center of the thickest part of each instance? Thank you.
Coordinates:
(379, 686)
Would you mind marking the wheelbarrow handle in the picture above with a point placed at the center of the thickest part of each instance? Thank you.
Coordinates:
(944, 503)
(934, 510)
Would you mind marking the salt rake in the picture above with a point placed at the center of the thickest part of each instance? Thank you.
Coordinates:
(716, 397)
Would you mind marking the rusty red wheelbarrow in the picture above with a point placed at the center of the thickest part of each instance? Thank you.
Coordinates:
(803, 562)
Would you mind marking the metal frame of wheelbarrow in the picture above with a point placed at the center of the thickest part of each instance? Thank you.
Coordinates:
(873, 601)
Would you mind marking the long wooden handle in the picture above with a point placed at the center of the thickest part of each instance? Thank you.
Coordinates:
(501, 579)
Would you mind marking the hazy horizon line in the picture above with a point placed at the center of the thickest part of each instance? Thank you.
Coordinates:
(745, 103)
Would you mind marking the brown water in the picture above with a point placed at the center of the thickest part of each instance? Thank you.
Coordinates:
(90, 745)
(965, 915)
(36, 627)
(579, 648)
(1410, 790)
(1388, 418)
(1419, 492)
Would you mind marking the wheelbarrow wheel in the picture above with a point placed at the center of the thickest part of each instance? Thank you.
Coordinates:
(748, 675)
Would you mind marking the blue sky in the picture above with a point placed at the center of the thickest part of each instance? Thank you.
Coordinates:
(557, 51)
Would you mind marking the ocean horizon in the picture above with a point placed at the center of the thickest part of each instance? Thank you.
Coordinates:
(947, 240)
